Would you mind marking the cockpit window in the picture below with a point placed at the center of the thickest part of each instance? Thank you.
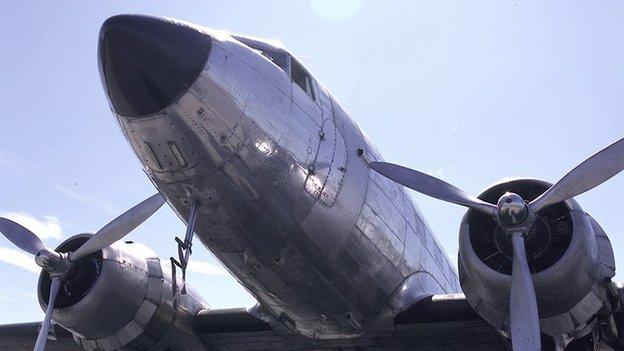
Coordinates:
(278, 57)
(281, 59)
(301, 77)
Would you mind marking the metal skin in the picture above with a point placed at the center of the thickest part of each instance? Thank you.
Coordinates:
(569, 293)
(128, 304)
(288, 204)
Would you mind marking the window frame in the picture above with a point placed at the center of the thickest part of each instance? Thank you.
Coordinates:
(310, 82)
(261, 48)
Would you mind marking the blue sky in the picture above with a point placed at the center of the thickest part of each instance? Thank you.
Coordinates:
(469, 91)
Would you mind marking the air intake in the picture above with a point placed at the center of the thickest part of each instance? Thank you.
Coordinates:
(547, 241)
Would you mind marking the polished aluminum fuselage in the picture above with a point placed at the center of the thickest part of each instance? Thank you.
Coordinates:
(288, 202)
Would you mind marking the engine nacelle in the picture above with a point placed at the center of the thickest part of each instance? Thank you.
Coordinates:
(569, 256)
(122, 297)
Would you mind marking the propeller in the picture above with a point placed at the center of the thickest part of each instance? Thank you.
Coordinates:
(58, 264)
(21, 237)
(119, 227)
(42, 337)
(592, 172)
(515, 216)
(523, 314)
(432, 186)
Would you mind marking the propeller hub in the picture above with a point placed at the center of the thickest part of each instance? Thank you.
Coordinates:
(53, 262)
(48, 260)
(512, 210)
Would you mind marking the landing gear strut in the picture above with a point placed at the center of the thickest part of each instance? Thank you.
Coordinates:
(184, 249)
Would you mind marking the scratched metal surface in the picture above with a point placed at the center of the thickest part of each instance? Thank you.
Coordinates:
(288, 205)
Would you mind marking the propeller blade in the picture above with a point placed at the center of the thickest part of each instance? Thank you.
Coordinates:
(119, 227)
(431, 186)
(523, 314)
(42, 338)
(594, 171)
(20, 236)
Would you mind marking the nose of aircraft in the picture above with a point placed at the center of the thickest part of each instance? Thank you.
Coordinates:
(147, 63)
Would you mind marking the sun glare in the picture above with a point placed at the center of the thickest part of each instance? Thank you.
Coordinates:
(335, 10)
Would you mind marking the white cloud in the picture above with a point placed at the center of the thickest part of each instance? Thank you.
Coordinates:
(206, 268)
(20, 259)
(48, 227)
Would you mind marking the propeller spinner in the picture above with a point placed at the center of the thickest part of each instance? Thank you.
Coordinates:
(516, 216)
(58, 264)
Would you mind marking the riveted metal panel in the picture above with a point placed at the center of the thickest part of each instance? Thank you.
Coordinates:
(586, 307)
(385, 210)
(563, 321)
(234, 78)
(337, 171)
(109, 343)
(145, 313)
(88, 345)
(162, 319)
(154, 289)
(267, 106)
(129, 332)
(413, 253)
(220, 110)
(373, 278)
(153, 268)
(319, 169)
(304, 106)
(379, 234)
(142, 342)
(301, 139)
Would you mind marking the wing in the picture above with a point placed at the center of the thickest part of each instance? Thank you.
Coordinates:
(21, 337)
(440, 322)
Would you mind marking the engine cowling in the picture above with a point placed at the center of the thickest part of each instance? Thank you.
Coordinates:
(122, 297)
(569, 256)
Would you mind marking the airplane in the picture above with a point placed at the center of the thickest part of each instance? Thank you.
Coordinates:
(276, 179)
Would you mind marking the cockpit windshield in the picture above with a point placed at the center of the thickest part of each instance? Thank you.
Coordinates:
(275, 55)
(278, 58)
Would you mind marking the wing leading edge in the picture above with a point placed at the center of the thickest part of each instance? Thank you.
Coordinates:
(22, 336)
(440, 322)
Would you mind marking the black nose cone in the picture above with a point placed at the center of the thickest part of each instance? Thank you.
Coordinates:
(147, 63)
